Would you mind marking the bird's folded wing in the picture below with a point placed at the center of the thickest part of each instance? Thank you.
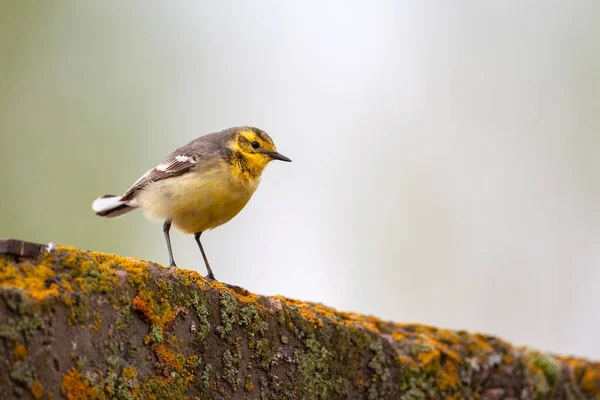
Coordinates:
(178, 163)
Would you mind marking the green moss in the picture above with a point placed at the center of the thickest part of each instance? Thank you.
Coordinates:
(543, 371)
(111, 362)
(250, 319)
(378, 363)
(281, 317)
(249, 385)
(80, 307)
(265, 353)
(233, 315)
(414, 385)
(80, 362)
(26, 325)
(156, 335)
(111, 383)
(8, 330)
(228, 304)
(115, 347)
(313, 369)
(124, 387)
(204, 380)
(379, 366)
(23, 374)
(16, 301)
(231, 367)
(203, 327)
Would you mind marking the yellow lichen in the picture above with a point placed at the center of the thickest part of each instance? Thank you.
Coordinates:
(75, 387)
(158, 314)
(37, 390)
(169, 360)
(20, 352)
(584, 372)
(590, 382)
(428, 357)
(33, 279)
(448, 378)
(129, 373)
(97, 322)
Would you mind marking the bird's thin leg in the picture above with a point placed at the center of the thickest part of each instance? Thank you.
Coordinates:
(210, 275)
(166, 228)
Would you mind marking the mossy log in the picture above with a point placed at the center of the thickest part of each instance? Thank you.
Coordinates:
(85, 325)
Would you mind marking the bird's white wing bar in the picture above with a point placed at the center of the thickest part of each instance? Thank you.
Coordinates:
(174, 164)
(171, 166)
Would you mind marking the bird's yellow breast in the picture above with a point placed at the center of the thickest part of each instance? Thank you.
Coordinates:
(198, 200)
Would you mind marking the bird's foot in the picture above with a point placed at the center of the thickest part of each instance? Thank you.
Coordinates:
(172, 265)
(210, 277)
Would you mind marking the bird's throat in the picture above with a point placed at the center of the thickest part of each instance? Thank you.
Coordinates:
(248, 167)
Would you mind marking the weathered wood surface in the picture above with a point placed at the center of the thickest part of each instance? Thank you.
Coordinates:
(84, 325)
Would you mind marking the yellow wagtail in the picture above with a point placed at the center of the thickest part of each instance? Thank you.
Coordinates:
(199, 186)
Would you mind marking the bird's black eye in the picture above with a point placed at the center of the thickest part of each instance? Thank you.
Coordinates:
(255, 145)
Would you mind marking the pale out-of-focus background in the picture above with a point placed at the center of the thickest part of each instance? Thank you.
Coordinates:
(446, 154)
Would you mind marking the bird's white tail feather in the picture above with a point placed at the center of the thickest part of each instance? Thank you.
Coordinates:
(111, 206)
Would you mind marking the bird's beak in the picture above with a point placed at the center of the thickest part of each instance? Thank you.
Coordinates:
(277, 156)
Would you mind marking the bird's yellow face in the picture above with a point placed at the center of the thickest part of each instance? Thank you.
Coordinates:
(253, 149)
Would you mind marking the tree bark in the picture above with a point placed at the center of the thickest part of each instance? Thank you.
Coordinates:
(85, 325)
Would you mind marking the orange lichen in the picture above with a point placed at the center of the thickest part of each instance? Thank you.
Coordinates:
(318, 315)
(590, 381)
(428, 357)
(33, 279)
(97, 322)
(446, 351)
(310, 316)
(20, 352)
(143, 307)
(586, 373)
(177, 371)
(508, 359)
(478, 344)
(169, 360)
(407, 361)
(249, 385)
(102, 267)
(37, 390)
(75, 387)
(158, 314)
(448, 378)
(447, 337)
(190, 277)
(129, 373)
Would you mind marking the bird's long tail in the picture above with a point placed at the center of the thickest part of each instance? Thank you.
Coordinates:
(111, 206)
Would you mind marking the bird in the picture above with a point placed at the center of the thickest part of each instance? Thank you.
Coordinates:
(199, 186)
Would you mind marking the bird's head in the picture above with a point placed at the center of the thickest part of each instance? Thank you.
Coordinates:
(256, 148)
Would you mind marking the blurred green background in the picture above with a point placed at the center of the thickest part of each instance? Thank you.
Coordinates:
(445, 153)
